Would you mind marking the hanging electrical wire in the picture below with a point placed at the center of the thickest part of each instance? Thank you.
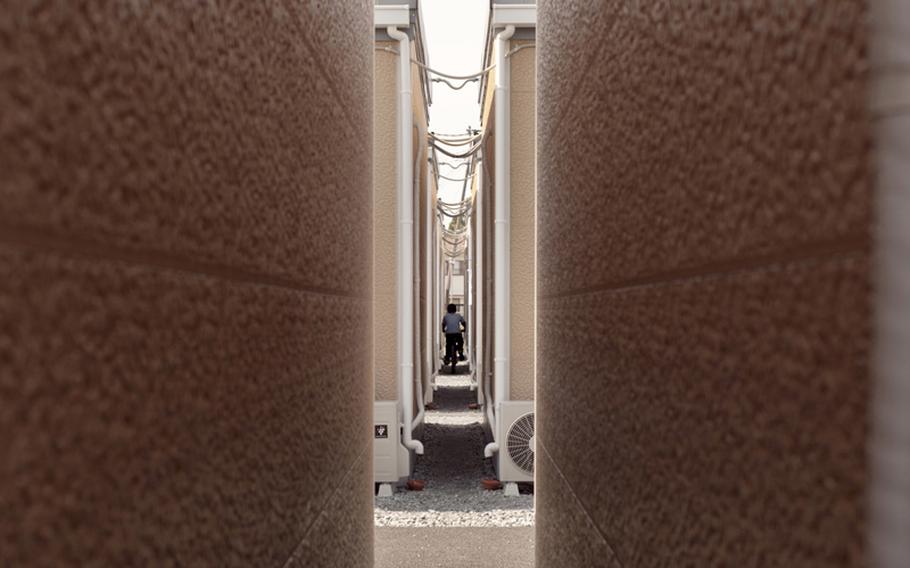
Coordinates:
(451, 165)
(455, 142)
(443, 213)
(453, 247)
(453, 218)
(454, 234)
(458, 87)
(469, 153)
(469, 175)
(440, 176)
(479, 138)
(457, 206)
(468, 134)
(455, 77)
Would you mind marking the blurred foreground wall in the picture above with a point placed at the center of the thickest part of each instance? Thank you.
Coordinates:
(704, 221)
(184, 283)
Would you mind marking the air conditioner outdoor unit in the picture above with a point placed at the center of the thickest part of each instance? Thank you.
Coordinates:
(391, 460)
(515, 459)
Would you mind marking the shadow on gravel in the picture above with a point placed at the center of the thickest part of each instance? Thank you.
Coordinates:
(455, 399)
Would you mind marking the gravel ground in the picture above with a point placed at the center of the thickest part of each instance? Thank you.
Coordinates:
(453, 466)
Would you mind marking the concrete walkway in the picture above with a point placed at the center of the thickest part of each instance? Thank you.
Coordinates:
(455, 547)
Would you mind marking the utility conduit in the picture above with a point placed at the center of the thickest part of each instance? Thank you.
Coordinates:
(451, 179)
(418, 377)
(478, 366)
(454, 77)
(428, 278)
(469, 304)
(487, 285)
(437, 299)
(405, 260)
(454, 139)
(456, 87)
(453, 166)
(502, 192)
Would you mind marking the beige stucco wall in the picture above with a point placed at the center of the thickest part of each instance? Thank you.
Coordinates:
(385, 219)
(523, 217)
(523, 205)
(385, 100)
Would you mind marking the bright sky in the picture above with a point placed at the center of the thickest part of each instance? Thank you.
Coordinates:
(454, 32)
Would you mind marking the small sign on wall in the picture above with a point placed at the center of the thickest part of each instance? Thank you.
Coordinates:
(381, 430)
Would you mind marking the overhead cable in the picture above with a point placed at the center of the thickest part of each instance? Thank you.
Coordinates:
(458, 87)
(463, 142)
(467, 154)
(453, 166)
(450, 138)
(454, 213)
(439, 175)
(470, 152)
(456, 77)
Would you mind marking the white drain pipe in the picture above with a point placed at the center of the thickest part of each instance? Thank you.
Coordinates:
(488, 375)
(479, 294)
(405, 260)
(487, 229)
(437, 301)
(502, 192)
(469, 304)
(419, 376)
(428, 284)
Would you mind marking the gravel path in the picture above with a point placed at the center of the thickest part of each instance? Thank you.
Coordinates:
(453, 466)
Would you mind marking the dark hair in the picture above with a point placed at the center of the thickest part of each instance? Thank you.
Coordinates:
(451, 308)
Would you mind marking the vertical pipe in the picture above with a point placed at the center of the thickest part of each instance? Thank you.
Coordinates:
(447, 270)
(890, 443)
(502, 272)
(479, 300)
(437, 285)
(469, 301)
(489, 258)
(405, 260)
(415, 195)
(429, 257)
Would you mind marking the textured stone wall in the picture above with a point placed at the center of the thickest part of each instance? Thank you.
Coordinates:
(184, 283)
(704, 212)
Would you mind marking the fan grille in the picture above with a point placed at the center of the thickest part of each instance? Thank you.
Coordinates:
(519, 443)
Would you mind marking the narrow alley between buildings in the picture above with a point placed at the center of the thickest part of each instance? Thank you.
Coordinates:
(454, 223)
(236, 238)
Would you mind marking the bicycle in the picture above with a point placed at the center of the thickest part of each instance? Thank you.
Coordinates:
(451, 354)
